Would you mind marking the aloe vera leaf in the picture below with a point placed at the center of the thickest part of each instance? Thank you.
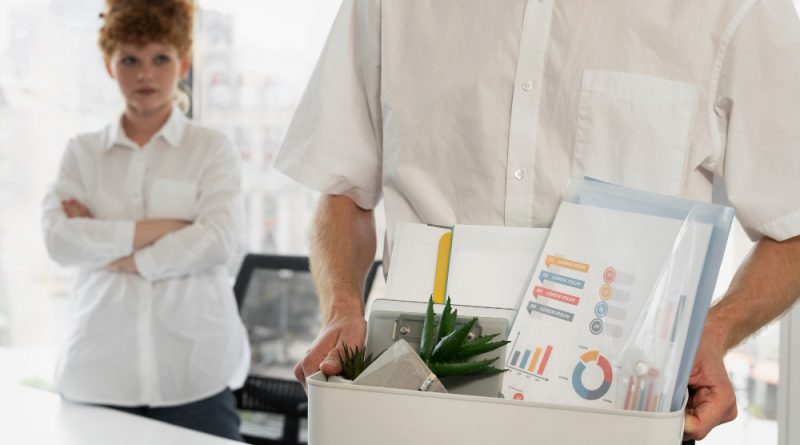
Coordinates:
(489, 371)
(481, 340)
(460, 368)
(467, 351)
(447, 347)
(347, 363)
(354, 361)
(426, 342)
(448, 321)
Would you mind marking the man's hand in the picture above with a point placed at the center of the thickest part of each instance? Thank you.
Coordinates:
(342, 249)
(764, 287)
(75, 209)
(347, 327)
(124, 264)
(711, 398)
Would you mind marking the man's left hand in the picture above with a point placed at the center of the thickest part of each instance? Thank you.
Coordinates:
(711, 398)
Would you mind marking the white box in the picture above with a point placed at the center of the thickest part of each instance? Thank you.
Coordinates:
(346, 414)
(343, 413)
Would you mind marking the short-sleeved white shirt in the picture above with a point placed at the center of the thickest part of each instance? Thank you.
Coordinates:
(170, 334)
(475, 111)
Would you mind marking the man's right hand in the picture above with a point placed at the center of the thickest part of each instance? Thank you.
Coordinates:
(347, 327)
(341, 251)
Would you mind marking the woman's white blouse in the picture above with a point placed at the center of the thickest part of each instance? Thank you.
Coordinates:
(170, 334)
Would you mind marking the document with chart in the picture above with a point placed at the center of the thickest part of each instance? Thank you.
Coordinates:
(605, 315)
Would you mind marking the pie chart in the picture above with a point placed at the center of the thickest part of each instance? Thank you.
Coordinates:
(591, 358)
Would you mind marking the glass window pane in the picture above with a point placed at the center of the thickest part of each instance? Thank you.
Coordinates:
(253, 59)
(52, 86)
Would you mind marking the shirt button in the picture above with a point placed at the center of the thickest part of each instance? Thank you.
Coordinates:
(527, 85)
(519, 173)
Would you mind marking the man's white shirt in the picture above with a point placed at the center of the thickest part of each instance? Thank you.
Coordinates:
(479, 112)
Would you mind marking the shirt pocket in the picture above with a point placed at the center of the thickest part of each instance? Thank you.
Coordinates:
(633, 130)
(172, 199)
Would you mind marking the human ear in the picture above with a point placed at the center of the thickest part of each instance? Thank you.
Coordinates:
(186, 63)
(109, 69)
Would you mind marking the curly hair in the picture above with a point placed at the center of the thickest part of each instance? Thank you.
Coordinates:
(141, 22)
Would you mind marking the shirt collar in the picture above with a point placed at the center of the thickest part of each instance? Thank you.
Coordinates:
(171, 131)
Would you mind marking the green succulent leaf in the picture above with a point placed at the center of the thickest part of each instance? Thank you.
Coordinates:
(489, 370)
(426, 342)
(480, 340)
(447, 347)
(448, 321)
(462, 368)
(471, 350)
(354, 361)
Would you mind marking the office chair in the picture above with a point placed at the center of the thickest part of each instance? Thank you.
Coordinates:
(279, 307)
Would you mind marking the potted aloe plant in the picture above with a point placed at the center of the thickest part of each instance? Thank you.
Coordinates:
(445, 350)
(448, 351)
(354, 362)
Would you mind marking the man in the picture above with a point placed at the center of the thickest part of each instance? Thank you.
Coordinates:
(478, 112)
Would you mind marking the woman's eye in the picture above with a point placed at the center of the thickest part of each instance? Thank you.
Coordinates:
(162, 59)
(128, 61)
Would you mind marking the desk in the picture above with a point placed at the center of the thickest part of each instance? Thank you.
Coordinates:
(35, 417)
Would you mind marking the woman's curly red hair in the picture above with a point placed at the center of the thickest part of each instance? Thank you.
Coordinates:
(140, 22)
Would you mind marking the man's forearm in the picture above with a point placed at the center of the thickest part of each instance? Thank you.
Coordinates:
(343, 243)
(766, 285)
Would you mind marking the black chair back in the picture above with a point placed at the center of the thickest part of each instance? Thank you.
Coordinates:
(279, 307)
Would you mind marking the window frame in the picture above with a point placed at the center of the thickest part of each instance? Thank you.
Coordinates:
(789, 383)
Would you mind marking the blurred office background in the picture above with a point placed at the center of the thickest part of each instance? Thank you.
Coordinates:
(252, 61)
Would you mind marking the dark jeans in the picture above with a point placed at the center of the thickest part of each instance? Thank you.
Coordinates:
(215, 415)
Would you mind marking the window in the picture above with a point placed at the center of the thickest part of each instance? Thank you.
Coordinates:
(253, 60)
(54, 87)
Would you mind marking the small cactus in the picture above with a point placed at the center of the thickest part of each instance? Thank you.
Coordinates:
(354, 361)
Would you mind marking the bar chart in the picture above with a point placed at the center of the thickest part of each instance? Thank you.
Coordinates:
(532, 361)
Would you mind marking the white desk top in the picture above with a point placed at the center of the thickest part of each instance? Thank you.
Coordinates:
(34, 417)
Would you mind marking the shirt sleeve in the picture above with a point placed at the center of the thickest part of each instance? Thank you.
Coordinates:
(333, 144)
(758, 111)
(213, 236)
(81, 242)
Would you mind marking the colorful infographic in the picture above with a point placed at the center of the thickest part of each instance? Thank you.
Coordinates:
(592, 358)
(587, 298)
(531, 362)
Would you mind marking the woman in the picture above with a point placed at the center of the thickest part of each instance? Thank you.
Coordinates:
(150, 210)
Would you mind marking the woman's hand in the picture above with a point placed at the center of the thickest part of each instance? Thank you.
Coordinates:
(75, 209)
(124, 264)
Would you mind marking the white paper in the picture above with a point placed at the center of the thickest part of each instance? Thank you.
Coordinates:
(585, 299)
(413, 266)
(489, 265)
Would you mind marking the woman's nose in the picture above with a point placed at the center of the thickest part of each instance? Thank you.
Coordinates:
(145, 73)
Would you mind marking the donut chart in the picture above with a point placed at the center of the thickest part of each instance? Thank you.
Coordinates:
(577, 374)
